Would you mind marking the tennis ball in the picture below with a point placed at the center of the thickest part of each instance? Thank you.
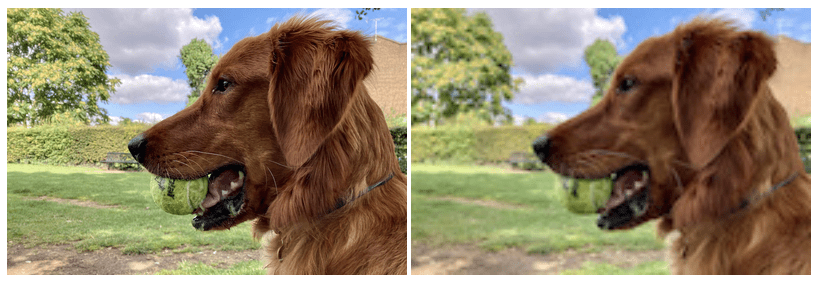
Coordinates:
(585, 196)
(176, 196)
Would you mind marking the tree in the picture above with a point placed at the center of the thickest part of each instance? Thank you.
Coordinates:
(459, 64)
(765, 13)
(602, 59)
(199, 59)
(55, 65)
(363, 12)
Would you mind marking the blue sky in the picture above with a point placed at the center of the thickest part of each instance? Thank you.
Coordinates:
(547, 47)
(143, 45)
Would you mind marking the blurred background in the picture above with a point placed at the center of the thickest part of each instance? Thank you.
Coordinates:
(486, 82)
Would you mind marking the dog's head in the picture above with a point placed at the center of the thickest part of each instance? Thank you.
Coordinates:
(672, 107)
(268, 107)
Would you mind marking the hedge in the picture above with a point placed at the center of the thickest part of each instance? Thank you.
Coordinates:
(62, 145)
(470, 145)
(68, 145)
(400, 141)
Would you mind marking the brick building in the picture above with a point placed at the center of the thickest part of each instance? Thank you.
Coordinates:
(387, 83)
(791, 83)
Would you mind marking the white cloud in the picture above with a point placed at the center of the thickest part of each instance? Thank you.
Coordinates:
(150, 117)
(150, 88)
(112, 120)
(552, 117)
(743, 17)
(543, 40)
(339, 17)
(139, 40)
(550, 87)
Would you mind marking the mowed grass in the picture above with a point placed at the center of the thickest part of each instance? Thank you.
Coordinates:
(134, 224)
(252, 267)
(527, 212)
(647, 268)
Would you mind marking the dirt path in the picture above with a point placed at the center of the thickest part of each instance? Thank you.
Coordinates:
(64, 259)
(470, 260)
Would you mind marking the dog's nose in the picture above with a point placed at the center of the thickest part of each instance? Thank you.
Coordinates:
(541, 147)
(137, 147)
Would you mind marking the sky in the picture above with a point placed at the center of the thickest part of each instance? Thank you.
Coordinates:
(144, 44)
(548, 44)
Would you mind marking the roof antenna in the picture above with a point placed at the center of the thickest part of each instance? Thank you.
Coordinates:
(377, 28)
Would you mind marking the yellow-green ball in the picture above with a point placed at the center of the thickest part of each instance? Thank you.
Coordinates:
(176, 196)
(588, 196)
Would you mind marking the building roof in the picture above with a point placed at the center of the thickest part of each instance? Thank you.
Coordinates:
(791, 83)
(387, 83)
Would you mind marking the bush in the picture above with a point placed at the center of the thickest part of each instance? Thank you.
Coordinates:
(470, 145)
(68, 145)
(400, 142)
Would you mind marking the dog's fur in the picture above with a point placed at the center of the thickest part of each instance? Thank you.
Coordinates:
(289, 108)
(694, 107)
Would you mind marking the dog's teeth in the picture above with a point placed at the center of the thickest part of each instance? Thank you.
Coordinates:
(629, 192)
(613, 175)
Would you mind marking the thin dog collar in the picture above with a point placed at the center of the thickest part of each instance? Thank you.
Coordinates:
(341, 203)
(758, 197)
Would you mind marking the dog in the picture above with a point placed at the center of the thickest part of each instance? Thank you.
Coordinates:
(690, 134)
(289, 110)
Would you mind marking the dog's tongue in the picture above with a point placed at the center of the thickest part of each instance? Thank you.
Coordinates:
(627, 184)
(222, 186)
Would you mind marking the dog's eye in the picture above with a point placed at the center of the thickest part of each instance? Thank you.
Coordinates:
(626, 84)
(221, 86)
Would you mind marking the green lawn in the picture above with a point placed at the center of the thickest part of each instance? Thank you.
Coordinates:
(529, 213)
(135, 224)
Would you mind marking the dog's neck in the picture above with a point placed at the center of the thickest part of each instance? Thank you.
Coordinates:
(751, 200)
(343, 201)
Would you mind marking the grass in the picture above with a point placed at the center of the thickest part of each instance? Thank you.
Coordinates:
(647, 268)
(252, 267)
(531, 214)
(135, 224)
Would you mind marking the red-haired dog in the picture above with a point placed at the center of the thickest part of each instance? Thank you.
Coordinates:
(690, 133)
(288, 108)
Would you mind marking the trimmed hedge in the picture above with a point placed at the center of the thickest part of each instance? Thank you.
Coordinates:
(68, 145)
(88, 145)
(400, 141)
(468, 145)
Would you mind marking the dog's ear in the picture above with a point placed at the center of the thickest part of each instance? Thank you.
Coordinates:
(718, 77)
(315, 73)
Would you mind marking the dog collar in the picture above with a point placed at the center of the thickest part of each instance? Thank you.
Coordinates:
(341, 203)
(758, 197)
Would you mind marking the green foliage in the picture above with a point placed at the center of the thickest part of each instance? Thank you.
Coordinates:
(482, 144)
(459, 64)
(602, 59)
(766, 13)
(68, 145)
(400, 142)
(55, 65)
(363, 12)
(199, 59)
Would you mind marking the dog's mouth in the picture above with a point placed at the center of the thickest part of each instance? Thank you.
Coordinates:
(225, 198)
(629, 199)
